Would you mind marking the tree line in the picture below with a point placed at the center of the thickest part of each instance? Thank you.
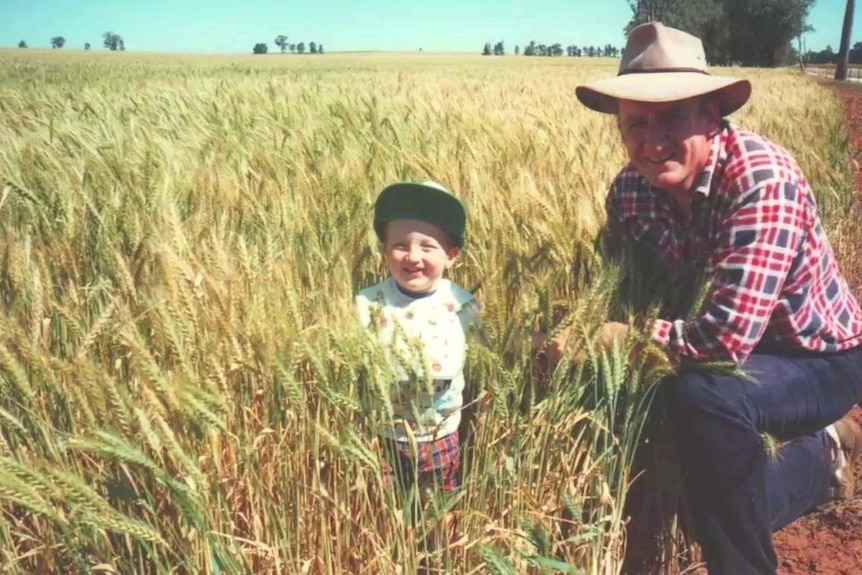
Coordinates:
(282, 42)
(533, 49)
(744, 32)
(110, 40)
(828, 56)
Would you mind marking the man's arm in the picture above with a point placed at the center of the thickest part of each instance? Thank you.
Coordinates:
(757, 246)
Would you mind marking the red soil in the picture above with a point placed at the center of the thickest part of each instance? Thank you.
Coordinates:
(829, 540)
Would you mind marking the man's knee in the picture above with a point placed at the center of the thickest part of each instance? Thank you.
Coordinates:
(688, 392)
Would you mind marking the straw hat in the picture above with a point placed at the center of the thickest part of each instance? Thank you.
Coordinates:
(428, 202)
(662, 64)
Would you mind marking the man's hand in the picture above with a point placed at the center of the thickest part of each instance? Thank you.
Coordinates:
(547, 354)
(612, 333)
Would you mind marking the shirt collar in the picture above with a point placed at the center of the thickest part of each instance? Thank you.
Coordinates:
(412, 294)
(716, 160)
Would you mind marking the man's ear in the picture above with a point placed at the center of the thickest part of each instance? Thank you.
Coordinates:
(453, 254)
(712, 110)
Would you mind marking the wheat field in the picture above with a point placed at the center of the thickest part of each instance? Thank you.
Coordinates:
(182, 383)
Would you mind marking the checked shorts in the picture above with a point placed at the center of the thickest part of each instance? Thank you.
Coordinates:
(438, 465)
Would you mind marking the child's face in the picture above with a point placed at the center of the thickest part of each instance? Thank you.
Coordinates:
(417, 254)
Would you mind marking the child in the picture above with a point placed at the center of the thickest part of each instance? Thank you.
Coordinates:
(422, 320)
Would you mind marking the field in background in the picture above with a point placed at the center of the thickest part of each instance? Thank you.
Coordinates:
(181, 382)
(827, 71)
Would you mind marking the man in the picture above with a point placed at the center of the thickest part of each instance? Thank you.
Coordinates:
(702, 194)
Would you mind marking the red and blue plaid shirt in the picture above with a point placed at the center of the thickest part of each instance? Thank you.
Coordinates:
(754, 224)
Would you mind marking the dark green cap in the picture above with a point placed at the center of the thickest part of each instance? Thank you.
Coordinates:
(428, 202)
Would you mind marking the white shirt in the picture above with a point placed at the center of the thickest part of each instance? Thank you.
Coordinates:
(425, 340)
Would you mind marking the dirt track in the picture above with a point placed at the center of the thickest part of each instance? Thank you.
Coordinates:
(829, 541)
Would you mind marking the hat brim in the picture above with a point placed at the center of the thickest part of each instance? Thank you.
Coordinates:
(604, 95)
(415, 201)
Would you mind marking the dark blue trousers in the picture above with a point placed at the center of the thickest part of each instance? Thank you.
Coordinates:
(738, 494)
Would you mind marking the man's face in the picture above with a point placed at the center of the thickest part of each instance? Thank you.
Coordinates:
(668, 142)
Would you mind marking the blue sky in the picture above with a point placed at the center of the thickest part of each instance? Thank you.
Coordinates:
(449, 25)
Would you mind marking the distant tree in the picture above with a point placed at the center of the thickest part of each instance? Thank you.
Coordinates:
(706, 19)
(486, 51)
(542, 50)
(113, 41)
(517, 49)
(591, 51)
(57, 42)
(844, 50)
(320, 49)
(22, 44)
(300, 47)
(281, 42)
(530, 50)
(649, 11)
(312, 47)
(499, 49)
(291, 47)
(748, 32)
(556, 49)
(260, 48)
(762, 32)
(86, 46)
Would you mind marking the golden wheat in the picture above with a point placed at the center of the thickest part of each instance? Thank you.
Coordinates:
(180, 369)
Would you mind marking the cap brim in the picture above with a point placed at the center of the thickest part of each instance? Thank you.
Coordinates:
(604, 95)
(408, 200)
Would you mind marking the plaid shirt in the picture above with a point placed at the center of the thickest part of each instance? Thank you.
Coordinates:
(755, 232)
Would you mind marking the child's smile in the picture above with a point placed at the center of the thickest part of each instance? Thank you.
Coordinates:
(417, 254)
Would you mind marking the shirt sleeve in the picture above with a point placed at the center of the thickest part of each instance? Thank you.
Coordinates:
(468, 307)
(470, 313)
(756, 248)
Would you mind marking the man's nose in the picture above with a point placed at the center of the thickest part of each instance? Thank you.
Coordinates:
(656, 135)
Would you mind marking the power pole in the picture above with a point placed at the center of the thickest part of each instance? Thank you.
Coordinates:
(844, 51)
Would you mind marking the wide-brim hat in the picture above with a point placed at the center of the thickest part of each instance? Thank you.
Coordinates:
(426, 201)
(662, 64)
